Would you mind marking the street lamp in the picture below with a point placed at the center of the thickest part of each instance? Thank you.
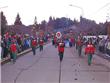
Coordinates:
(82, 11)
(3, 7)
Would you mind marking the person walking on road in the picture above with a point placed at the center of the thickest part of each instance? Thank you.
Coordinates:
(108, 47)
(13, 49)
(33, 45)
(73, 41)
(79, 46)
(52, 41)
(70, 43)
(41, 43)
(55, 41)
(5, 48)
(89, 50)
(61, 46)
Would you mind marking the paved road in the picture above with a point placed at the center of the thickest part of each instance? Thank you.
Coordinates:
(45, 67)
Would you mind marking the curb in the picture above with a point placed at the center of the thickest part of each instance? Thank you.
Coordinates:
(103, 61)
(18, 55)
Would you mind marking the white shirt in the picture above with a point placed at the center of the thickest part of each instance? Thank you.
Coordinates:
(108, 45)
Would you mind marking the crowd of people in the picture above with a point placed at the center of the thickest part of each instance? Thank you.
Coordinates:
(11, 45)
(104, 46)
(90, 45)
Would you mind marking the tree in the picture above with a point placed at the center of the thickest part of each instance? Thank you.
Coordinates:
(63, 23)
(3, 24)
(50, 19)
(35, 21)
(18, 20)
(43, 25)
(50, 24)
(36, 24)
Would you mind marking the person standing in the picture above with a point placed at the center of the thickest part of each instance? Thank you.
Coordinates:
(108, 47)
(55, 41)
(73, 41)
(89, 50)
(52, 41)
(6, 48)
(70, 43)
(61, 46)
(13, 49)
(33, 45)
(19, 41)
(41, 43)
(2, 48)
(79, 46)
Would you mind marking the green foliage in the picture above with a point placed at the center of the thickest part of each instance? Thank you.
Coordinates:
(3, 24)
(18, 20)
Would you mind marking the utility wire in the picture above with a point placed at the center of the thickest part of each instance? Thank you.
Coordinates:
(107, 4)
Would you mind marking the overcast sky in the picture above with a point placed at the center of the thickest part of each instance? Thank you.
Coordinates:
(93, 9)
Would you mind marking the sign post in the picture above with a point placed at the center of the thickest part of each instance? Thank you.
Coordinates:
(58, 35)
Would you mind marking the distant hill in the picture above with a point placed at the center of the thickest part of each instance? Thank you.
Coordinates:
(87, 26)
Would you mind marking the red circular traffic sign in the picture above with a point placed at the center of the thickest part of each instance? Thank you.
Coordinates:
(58, 34)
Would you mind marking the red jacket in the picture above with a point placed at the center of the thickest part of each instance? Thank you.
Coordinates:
(34, 42)
(55, 40)
(41, 42)
(60, 48)
(90, 49)
(13, 48)
(79, 42)
(72, 40)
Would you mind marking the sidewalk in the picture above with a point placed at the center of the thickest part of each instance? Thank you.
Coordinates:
(7, 59)
(103, 55)
(101, 60)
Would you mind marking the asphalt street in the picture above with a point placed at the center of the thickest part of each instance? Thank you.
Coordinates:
(45, 67)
